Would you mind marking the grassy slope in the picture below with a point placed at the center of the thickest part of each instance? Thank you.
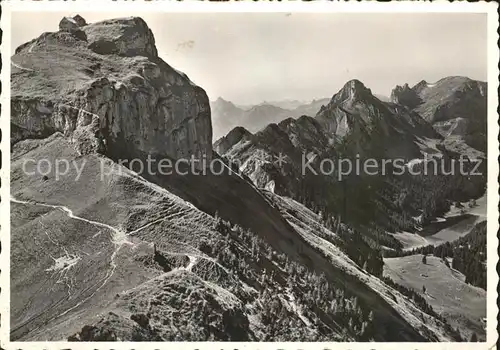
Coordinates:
(105, 267)
(462, 304)
(41, 234)
(306, 223)
(246, 207)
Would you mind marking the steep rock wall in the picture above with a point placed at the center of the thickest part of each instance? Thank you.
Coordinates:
(109, 91)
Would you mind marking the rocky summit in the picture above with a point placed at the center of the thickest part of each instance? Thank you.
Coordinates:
(456, 106)
(104, 84)
(354, 113)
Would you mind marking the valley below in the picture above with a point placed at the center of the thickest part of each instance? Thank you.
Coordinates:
(445, 290)
(448, 228)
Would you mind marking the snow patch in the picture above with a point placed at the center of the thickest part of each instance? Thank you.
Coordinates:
(64, 263)
(270, 186)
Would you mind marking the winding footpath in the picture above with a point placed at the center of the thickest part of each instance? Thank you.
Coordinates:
(21, 67)
(118, 238)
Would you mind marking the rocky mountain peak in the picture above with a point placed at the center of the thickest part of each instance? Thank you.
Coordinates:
(421, 85)
(355, 84)
(222, 103)
(455, 105)
(352, 104)
(72, 23)
(127, 106)
(237, 134)
(272, 129)
(353, 90)
(80, 20)
(129, 36)
(240, 131)
(406, 96)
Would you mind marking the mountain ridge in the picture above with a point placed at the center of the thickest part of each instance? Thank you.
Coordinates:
(455, 105)
(354, 125)
(227, 115)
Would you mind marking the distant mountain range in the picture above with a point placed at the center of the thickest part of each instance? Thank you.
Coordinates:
(285, 104)
(355, 123)
(226, 115)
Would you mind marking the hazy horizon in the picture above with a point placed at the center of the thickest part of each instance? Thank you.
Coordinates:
(248, 58)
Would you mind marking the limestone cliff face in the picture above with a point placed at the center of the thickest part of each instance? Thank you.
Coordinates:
(104, 86)
(351, 106)
(405, 96)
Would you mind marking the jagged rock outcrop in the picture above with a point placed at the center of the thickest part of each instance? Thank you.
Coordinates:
(306, 134)
(272, 157)
(448, 98)
(456, 106)
(358, 118)
(125, 37)
(354, 123)
(68, 24)
(127, 105)
(336, 117)
(80, 20)
(405, 96)
(239, 133)
(73, 25)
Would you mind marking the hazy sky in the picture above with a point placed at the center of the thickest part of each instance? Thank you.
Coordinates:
(248, 58)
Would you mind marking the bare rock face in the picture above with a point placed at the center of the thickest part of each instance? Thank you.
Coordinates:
(68, 24)
(80, 20)
(72, 23)
(405, 96)
(125, 36)
(272, 157)
(448, 98)
(350, 109)
(237, 134)
(129, 105)
(73, 26)
(370, 127)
